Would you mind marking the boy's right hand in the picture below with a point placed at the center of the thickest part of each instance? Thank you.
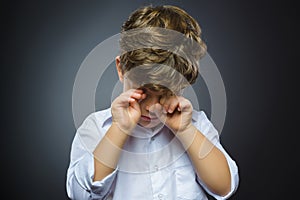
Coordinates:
(126, 110)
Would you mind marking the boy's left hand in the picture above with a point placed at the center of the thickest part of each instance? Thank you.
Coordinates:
(175, 112)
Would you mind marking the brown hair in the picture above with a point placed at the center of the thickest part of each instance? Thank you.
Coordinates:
(180, 54)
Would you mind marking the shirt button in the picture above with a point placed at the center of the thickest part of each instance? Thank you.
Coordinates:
(160, 196)
(153, 138)
(156, 169)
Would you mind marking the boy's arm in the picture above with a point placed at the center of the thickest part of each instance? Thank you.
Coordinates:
(209, 162)
(125, 113)
(107, 152)
(79, 183)
(212, 168)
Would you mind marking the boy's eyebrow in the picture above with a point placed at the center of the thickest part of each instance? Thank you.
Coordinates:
(142, 88)
(159, 93)
(146, 90)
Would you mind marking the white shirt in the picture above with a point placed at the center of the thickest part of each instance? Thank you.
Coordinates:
(153, 164)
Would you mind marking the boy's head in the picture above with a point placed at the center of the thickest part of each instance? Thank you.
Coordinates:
(163, 45)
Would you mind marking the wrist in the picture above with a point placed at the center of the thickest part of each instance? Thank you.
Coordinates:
(189, 128)
(124, 130)
(187, 135)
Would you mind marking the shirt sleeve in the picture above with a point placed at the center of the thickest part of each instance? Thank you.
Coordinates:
(207, 128)
(80, 173)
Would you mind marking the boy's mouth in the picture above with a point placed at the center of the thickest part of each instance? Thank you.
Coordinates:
(148, 119)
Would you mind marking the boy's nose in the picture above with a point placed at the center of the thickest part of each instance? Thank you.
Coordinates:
(150, 101)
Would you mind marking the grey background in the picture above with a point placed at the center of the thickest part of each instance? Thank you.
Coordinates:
(44, 43)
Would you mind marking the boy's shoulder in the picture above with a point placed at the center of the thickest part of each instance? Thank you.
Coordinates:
(203, 123)
(99, 117)
(103, 113)
(199, 115)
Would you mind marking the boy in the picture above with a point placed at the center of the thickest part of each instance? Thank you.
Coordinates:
(151, 143)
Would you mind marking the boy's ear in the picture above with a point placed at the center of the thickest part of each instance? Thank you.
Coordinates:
(119, 68)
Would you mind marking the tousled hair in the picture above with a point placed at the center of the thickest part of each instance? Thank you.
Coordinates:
(182, 55)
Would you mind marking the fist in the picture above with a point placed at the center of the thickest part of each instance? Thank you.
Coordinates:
(126, 110)
(175, 112)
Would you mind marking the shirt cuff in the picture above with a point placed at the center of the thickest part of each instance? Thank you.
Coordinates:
(84, 173)
(234, 178)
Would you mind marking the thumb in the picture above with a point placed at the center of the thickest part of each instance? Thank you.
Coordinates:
(157, 110)
(135, 105)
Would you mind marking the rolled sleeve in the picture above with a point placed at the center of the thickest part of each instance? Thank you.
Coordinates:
(80, 172)
(82, 181)
(210, 132)
(234, 177)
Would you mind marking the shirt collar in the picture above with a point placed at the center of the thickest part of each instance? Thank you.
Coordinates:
(106, 117)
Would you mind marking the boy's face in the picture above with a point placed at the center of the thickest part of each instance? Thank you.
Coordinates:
(148, 119)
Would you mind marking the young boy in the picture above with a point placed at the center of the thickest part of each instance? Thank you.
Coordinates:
(151, 143)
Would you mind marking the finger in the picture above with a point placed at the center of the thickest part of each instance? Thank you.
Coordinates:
(138, 91)
(162, 101)
(136, 96)
(131, 91)
(133, 94)
(144, 95)
(157, 109)
(170, 104)
(184, 105)
(174, 103)
(128, 97)
(135, 105)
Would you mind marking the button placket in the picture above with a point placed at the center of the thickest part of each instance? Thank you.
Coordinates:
(156, 168)
(160, 196)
